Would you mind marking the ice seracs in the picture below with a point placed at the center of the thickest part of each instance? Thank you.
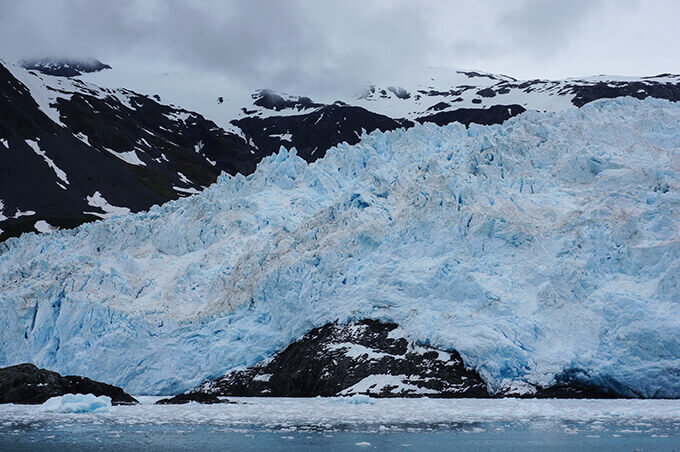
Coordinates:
(543, 247)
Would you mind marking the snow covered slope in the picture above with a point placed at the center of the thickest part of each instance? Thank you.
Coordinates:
(83, 145)
(544, 245)
(435, 90)
(72, 152)
(313, 122)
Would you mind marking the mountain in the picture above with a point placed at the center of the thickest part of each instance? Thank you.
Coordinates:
(64, 67)
(73, 152)
(541, 250)
(78, 151)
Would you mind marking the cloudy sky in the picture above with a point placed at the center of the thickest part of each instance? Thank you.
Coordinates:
(318, 43)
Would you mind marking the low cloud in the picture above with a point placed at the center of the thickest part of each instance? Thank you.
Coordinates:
(305, 44)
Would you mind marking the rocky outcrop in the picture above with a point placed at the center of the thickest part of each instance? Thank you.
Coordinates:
(484, 116)
(371, 358)
(367, 357)
(313, 133)
(27, 384)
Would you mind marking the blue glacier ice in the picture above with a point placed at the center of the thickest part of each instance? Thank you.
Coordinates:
(545, 244)
(77, 403)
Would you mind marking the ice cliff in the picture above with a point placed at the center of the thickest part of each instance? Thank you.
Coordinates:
(547, 244)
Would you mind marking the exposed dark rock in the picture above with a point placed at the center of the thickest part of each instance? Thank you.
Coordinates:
(485, 116)
(312, 134)
(487, 92)
(573, 384)
(64, 67)
(477, 74)
(200, 397)
(639, 90)
(269, 99)
(26, 384)
(367, 357)
(372, 358)
(439, 106)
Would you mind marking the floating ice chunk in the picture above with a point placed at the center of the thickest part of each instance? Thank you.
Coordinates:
(77, 403)
(358, 399)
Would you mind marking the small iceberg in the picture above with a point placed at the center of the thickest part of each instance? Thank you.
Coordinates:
(359, 399)
(77, 403)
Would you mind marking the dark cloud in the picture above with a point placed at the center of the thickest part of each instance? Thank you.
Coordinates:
(321, 44)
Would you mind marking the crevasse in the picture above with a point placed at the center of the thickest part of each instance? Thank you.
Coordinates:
(545, 244)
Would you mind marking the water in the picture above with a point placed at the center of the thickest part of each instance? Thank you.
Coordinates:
(334, 424)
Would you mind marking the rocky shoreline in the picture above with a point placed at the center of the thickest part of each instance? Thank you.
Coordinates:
(27, 384)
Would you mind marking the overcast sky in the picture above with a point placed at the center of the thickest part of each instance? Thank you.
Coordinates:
(300, 43)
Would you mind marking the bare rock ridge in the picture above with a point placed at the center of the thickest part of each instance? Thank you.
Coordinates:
(26, 384)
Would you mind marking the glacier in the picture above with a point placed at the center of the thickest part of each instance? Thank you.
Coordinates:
(545, 245)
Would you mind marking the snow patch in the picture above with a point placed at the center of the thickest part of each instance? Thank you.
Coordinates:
(97, 200)
(189, 190)
(129, 157)
(282, 136)
(44, 227)
(393, 384)
(19, 213)
(61, 175)
(82, 137)
(183, 178)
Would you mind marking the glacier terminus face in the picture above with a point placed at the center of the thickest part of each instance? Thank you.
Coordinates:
(545, 245)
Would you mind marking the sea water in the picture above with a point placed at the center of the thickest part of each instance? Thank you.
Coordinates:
(337, 424)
